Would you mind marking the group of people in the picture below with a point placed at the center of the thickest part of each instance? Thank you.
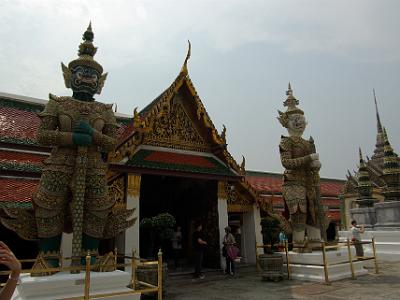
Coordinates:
(229, 251)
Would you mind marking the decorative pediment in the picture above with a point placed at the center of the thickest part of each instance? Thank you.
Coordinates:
(173, 128)
(176, 119)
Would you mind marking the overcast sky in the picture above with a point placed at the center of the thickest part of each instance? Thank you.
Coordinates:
(244, 53)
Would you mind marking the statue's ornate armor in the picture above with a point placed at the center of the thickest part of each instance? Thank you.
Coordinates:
(53, 197)
(299, 179)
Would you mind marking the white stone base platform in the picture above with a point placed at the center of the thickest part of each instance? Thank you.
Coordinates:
(387, 244)
(65, 285)
(309, 266)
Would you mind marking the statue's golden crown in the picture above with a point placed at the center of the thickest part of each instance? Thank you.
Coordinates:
(86, 52)
(291, 103)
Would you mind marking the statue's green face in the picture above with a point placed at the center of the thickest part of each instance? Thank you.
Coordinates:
(297, 124)
(85, 80)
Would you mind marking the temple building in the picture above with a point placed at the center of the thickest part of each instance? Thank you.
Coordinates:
(169, 158)
(366, 186)
(269, 188)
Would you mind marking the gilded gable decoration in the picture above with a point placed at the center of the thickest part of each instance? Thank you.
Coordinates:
(173, 128)
(166, 123)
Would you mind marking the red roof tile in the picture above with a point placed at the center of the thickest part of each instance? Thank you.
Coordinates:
(21, 157)
(178, 158)
(18, 124)
(124, 132)
(17, 190)
(22, 124)
(273, 184)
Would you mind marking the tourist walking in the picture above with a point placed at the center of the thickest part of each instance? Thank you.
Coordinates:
(230, 251)
(8, 259)
(356, 237)
(199, 245)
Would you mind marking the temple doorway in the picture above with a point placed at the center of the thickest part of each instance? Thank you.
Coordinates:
(189, 201)
(331, 232)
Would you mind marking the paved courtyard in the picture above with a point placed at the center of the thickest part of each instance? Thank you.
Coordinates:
(247, 285)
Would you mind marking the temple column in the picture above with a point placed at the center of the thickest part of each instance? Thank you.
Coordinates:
(132, 201)
(252, 233)
(222, 216)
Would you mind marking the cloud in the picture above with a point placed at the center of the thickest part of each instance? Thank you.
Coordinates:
(340, 46)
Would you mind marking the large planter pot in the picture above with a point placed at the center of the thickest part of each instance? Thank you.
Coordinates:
(148, 274)
(271, 266)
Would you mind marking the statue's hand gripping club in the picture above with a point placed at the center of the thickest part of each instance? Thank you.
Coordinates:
(82, 134)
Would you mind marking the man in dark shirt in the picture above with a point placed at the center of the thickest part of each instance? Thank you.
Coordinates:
(199, 244)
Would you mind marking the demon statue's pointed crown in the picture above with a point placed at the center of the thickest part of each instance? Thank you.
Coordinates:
(84, 75)
(291, 103)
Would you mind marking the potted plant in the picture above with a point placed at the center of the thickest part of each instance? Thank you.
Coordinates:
(271, 262)
(159, 228)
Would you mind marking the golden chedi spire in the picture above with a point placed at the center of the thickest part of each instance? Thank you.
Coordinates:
(378, 152)
(390, 158)
(364, 186)
(391, 171)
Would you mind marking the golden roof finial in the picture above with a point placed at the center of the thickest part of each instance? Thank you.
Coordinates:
(184, 67)
(289, 92)
(243, 164)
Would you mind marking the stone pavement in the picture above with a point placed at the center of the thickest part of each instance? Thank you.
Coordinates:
(247, 285)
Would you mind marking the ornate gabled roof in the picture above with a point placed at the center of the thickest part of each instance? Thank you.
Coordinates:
(144, 122)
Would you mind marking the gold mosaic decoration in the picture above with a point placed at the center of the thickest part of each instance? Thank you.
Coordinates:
(173, 129)
(134, 186)
(116, 191)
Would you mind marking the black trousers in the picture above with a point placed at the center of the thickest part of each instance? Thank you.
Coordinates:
(198, 262)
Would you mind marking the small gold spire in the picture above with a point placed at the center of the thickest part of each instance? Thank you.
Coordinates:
(243, 164)
(289, 92)
(184, 67)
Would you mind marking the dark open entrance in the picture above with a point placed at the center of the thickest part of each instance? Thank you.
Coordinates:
(331, 232)
(189, 201)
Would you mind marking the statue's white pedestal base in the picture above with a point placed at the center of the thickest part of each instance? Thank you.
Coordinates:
(309, 266)
(387, 243)
(65, 285)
